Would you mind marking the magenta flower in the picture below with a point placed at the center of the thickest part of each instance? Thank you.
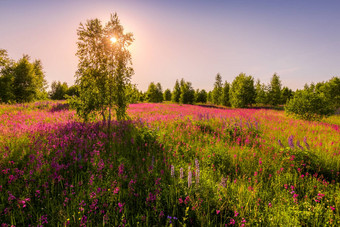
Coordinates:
(121, 206)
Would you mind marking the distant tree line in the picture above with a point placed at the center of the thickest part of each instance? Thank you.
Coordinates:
(310, 103)
(24, 81)
(241, 93)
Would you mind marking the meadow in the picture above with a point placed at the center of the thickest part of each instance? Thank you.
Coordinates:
(168, 165)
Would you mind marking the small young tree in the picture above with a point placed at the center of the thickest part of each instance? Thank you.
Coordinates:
(274, 94)
(73, 91)
(167, 95)
(21, 81)
(132, 93)
(29, 80)
(331, 91)
(201, 96)
(209, 96)
(103, 70)
(261, 91)
(217, 91)
(225, 94)
(308, 105)
(6, 77)
(58, 90)
(187, 93)
(286, 95)
(176, 93)
(242, 91)
(154, 93)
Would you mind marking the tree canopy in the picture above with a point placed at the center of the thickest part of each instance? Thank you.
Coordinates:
(308, 105)
(217, 91)
(176, 92)
(58, 90)
(167, 95)
(242, 91)
(154, 92)
(275, 90)
(21, 81)
(104, 69)
(187, 93)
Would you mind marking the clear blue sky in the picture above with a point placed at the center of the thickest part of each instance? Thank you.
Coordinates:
(298, 39)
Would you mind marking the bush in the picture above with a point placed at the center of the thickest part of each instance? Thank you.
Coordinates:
(308, 105)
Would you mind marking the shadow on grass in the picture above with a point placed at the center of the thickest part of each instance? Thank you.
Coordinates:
(82, 167)
(60, 107)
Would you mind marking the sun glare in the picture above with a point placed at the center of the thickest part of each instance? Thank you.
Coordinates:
(113, 40)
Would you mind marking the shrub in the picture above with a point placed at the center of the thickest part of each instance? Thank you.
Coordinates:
(308, 105)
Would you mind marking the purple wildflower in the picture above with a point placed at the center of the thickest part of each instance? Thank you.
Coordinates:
(224, 182)
(197, 171)
(290, 141)
(189, 177)
(280, 143)
(298, 145)
(305, 141)
(172, 171)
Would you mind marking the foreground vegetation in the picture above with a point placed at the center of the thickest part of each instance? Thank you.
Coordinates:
(169, 165)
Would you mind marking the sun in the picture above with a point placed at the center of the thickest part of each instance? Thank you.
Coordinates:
(113, 40)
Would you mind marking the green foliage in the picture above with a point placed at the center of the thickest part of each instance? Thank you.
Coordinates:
(217, 91)
(103, 70)
(21, 81)
(308, 105)
(154, 93)
(6, 78)
(274, 93)
(4, 59)
(286, 95)
(73, 91)
(187, 93)
(201, 96)
(261, 93)
(209, 97)
(167, 95)
(331, 91)
(58, 90)
(242, 91)
(225, 94)
(132, 93)
(23, 85)
(142, 96)
(176, 93)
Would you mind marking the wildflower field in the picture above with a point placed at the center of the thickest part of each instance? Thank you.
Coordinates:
(169, 165)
